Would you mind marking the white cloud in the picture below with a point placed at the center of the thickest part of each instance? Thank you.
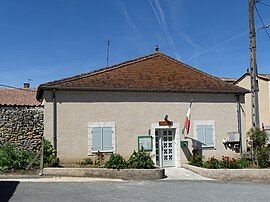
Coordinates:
(121, 7)
(218, 45)
(160, 17)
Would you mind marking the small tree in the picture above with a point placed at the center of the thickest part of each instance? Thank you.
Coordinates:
(259, 149)
(50, 157)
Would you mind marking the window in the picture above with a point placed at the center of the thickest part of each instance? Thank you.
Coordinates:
(101, 137)
(204, 133)
(267, 130)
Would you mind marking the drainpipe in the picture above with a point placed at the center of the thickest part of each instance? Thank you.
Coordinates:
(239, 120)
(54, 120)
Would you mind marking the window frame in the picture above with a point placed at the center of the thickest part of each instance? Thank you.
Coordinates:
(204, 123)
(92, 125)
(145, 137)
(267, 130)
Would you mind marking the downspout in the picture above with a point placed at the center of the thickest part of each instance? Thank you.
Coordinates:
(54, 120)
(239, 120)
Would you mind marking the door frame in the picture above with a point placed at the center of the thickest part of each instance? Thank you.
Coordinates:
(176, 127)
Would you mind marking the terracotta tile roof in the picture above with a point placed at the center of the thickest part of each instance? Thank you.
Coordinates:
(155, 72)
(18, 97)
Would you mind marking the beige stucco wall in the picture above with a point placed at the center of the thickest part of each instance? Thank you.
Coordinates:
(133, 114)
(264, 101)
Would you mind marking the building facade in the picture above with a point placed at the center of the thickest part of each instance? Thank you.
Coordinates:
(264, 99)
(142, 104)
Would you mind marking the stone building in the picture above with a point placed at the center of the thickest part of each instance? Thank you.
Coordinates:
(21, 118)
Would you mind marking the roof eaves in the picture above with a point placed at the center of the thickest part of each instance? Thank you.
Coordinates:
(264, 77)
(242, 91)
(240, 78)
(20, 105)
(261, 76)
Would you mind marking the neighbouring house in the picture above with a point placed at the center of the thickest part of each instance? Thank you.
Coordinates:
(143, 103)
(264, 99)
(21, 118)
(228, 80)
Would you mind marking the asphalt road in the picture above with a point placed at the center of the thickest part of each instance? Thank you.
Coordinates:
(135, 191)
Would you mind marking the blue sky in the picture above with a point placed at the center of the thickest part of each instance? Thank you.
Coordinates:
(45, 40)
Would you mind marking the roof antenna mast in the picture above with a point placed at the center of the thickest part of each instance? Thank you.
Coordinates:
(107, 51)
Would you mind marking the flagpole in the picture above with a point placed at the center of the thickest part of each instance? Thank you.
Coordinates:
(187, 119)
(191, 101)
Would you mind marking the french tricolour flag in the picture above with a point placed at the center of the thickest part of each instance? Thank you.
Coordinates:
(187, 120)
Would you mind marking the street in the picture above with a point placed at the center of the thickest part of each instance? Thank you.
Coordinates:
(161, 190)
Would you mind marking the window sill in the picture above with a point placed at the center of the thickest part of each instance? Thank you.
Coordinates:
(95, 152)
(209, 148)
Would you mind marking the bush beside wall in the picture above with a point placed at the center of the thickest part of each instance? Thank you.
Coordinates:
(138, 160)
(12, 158)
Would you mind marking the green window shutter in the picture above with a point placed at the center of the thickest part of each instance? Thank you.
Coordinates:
(209, 135)
(96, 139)
(107, 139)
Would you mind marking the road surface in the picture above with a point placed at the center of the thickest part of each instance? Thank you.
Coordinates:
(160, 190)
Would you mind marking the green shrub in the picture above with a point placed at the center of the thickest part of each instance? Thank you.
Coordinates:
(262, 157)
(116, 161)
(87, 161)
(50, 157)
(260, 152)
(196, 160)
(243, 163)
(212, 163)
(140, 160)
(258, 137)
(99, 161)
(226, 162)
(14, 159)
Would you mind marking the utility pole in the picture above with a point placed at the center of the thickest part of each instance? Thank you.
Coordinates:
(253, 68)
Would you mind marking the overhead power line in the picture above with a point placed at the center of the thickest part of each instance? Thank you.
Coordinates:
(13, 87)
(264, 4)
(264, 25)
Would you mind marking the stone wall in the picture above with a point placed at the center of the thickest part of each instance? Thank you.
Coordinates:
(231, 174)
(21, 127)
(125, 174)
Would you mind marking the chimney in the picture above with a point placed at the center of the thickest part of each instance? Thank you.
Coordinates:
(26, 85)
